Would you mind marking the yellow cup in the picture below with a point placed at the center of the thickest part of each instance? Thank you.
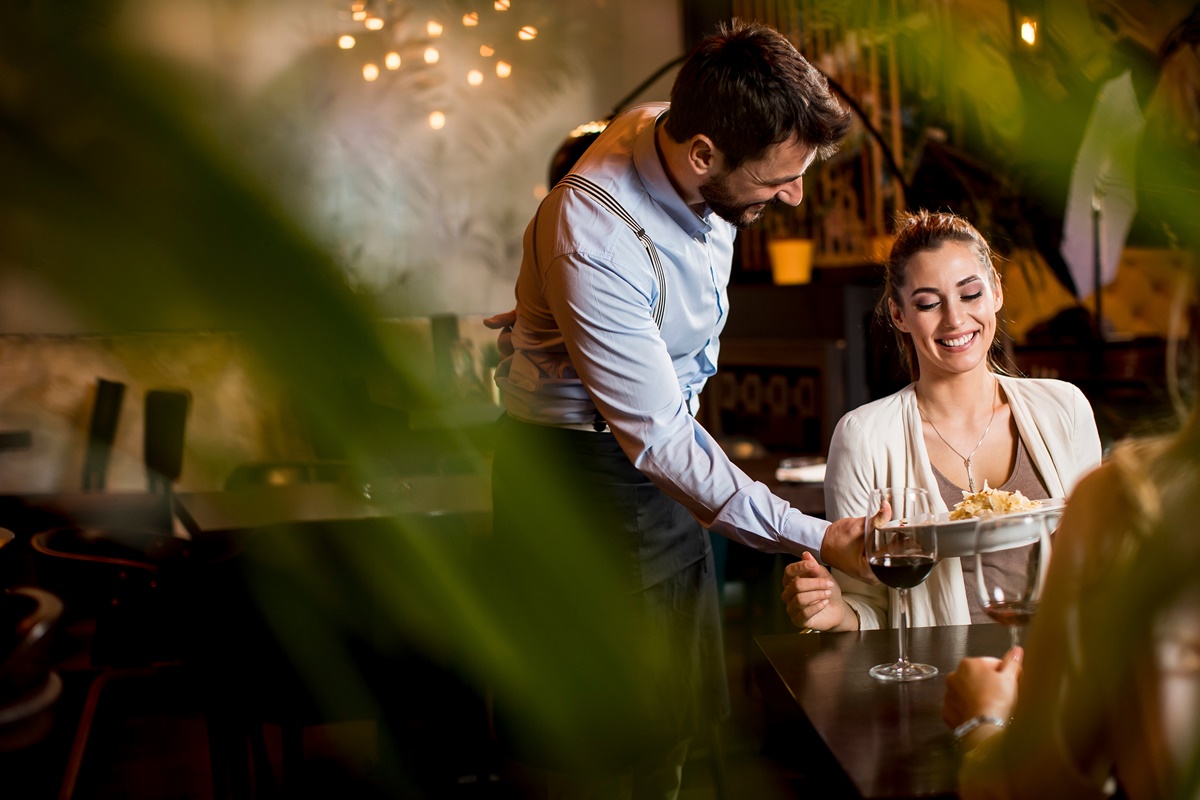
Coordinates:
(791, 260)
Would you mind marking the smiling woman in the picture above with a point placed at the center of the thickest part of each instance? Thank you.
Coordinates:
(960, 423)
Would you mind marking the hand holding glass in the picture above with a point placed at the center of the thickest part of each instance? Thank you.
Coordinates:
(901, 551)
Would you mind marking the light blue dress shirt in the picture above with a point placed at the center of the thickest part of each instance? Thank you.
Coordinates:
(585, 337)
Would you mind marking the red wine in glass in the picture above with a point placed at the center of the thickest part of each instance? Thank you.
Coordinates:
(901, 548)
(1014, 613)
(902, 572)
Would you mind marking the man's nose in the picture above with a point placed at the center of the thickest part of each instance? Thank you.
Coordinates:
(791, 193)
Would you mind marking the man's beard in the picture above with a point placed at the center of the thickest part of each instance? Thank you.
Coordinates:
(727, 206)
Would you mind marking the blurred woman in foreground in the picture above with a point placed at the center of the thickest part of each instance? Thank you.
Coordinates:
(1112, 684)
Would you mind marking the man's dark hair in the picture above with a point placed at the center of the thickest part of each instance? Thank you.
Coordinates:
(747, 88)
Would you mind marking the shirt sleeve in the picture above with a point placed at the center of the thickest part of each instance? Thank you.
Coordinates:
(847, 485)
(620, 357)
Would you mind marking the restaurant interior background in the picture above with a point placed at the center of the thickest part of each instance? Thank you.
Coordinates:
(298, 213)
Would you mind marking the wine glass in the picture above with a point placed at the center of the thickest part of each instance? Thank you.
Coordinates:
(901, 549)
(1012, 556)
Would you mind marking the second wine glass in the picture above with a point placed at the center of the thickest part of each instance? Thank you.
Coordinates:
(1012, 556)
(901, 548)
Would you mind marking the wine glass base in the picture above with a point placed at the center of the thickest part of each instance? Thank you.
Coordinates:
(900, 673)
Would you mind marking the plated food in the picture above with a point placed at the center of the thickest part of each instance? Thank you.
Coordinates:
(988, 502)
(956, 537)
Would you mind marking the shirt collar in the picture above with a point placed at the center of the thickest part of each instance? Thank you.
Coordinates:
(654, 177)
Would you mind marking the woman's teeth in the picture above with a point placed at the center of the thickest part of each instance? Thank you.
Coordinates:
(959, 342)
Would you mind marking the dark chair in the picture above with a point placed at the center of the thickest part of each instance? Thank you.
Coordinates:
(121, 581)
(165, 432)
(29, 688)
(102, 431)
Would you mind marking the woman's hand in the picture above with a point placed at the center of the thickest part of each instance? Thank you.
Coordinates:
(982, 686)
(813, 598)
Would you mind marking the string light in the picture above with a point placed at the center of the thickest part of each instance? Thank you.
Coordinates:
(370, 72)
(527, 34)
(432, 55)
(1028, 31)
(502, 5)
(474, 77)
(471, 19)
(437, 120)
(503, 69)
(433, 28)
(392, 60)
(486, 52)
(374, 23)
(358, 16)
(357, 6)
(346, 42)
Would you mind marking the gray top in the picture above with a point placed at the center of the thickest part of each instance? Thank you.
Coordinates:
(1024, 479)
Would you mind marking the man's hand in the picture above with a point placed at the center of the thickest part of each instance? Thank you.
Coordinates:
(842, 548)
(813, 598)
(503, 323)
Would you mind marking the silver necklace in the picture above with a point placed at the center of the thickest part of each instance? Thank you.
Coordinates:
(967, 458)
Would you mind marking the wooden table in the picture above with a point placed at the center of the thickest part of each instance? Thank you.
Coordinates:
(862, 738)
(237, 510)
(26, 514)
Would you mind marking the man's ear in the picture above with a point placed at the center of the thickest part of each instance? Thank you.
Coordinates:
(703, 156)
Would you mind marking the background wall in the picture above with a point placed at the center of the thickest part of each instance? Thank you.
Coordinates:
(421, 220)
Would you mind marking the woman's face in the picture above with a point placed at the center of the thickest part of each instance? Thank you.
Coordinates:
(948, 305)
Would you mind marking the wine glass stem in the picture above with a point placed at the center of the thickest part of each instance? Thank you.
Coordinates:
(1014, 635)
(903, 661)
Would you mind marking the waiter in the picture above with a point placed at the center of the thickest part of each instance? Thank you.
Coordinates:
(621, 299)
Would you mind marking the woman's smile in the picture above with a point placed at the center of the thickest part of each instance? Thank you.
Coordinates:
(959, 343)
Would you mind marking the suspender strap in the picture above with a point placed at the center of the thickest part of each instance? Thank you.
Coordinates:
(609, 202)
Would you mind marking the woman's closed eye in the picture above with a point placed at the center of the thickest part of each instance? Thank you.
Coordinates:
(968, 298)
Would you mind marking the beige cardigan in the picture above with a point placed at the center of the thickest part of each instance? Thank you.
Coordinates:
(881, 444)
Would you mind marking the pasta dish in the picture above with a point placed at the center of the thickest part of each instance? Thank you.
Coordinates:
(990, 502)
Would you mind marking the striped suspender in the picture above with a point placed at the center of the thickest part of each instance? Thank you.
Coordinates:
(608, 201)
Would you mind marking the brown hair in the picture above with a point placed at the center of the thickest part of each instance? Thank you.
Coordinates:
(746, 87)
(921, 232)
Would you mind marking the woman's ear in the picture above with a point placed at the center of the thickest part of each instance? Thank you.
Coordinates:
(897, 317)
(999, 290)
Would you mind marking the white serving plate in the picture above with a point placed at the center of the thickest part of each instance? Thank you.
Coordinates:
(956, 538)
